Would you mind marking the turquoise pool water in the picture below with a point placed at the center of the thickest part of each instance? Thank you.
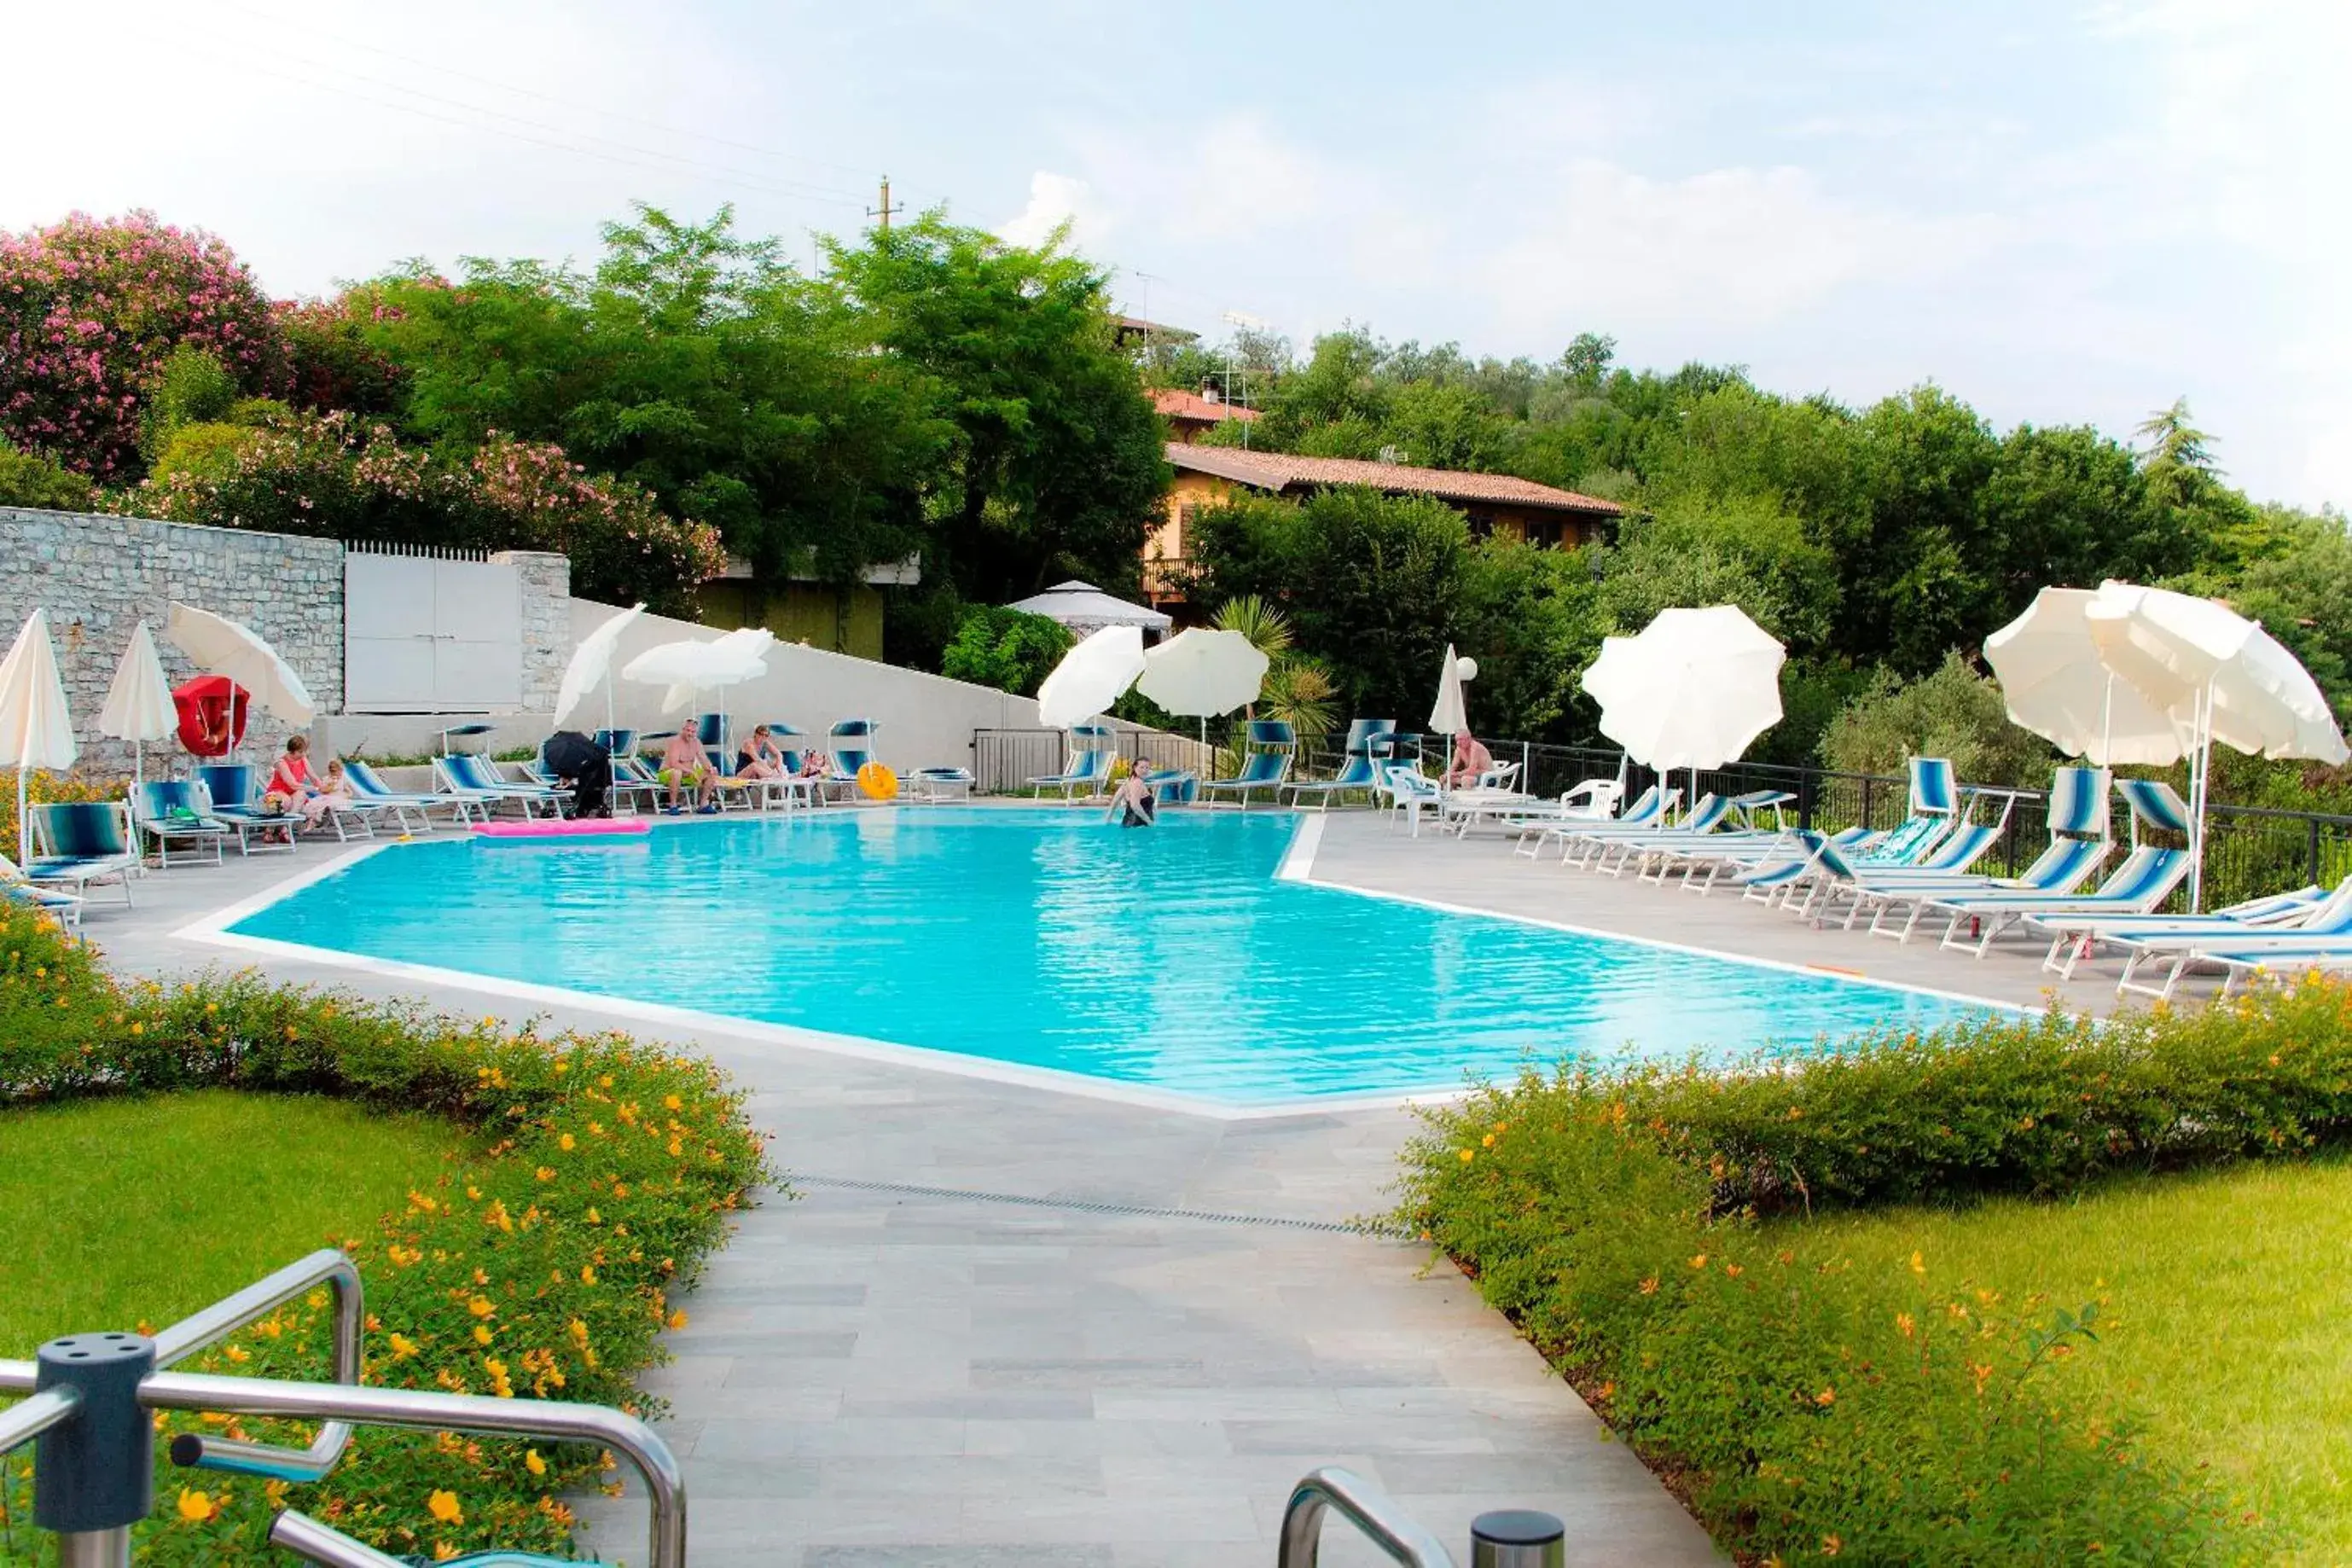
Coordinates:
(1170, 958)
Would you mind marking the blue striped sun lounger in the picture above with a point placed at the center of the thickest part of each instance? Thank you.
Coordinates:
(478, 780)
(1093, 749)
(78, 845)
(2075, 939)
(178, 813)
(1265, 766)
(235, 790)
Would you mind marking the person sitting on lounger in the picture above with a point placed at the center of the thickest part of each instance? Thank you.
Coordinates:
(332, 793)
(760, 758)
(1470, 760)
(685, 767)
(1135, 805)
(291, 789)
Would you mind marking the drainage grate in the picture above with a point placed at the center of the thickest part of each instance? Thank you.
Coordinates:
(1086, 1205)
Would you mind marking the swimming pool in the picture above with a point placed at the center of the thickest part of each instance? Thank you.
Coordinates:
(1170, 959)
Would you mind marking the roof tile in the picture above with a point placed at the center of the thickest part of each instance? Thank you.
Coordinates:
(1280, 470)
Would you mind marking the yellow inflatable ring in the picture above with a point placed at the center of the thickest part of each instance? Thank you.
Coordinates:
(878, 782)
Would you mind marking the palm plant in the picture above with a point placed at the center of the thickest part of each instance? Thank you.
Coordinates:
(1300, 693)
(1266, 628)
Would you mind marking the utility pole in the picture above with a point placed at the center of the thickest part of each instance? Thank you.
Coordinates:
(885, 209)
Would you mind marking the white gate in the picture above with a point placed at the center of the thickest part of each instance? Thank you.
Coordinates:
(430, 632)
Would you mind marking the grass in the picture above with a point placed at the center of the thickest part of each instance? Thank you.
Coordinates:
(122, 1210)
(2224, 1303)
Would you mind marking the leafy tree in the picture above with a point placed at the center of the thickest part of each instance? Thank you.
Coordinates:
(1056, 467)
(1586, 361)
(2299, 592)
(1952, 711)
(1010, 649)
(1739, 551)
(191, 388)
(29, 479)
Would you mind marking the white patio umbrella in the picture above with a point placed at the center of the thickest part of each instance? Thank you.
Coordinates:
(2057, 683)
(2221, 675)
(1692, 689)
(592, 666)
(1199, 674)
(222, 646)
(1091, 677)
(35, 729)
(1451, 715)
(138, 702)
(687, 666)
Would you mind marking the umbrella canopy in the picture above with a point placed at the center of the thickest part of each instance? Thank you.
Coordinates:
(223, 647)
(2184, 651)
(1451, 716)
(2057, 683)
(1200, 674)
(2222, 676)
(1091, 677)
(592, 663)
(36, 729)
(1691, 689)
(1082, 607)
(138, 702)
(688, 666)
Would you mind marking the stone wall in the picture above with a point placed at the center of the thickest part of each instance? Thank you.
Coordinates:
(100, 576)
(546, 623)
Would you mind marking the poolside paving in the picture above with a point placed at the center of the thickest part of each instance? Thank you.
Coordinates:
(1001, 1324)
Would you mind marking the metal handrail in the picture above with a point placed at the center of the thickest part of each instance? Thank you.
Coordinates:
(214, 1323)
(1362, 1504)
(431, 1411)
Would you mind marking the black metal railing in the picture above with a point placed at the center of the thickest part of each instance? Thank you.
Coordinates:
(1004, 761)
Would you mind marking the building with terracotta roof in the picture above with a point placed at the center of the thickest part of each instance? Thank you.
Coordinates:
(1493, 504)
(1192, 415)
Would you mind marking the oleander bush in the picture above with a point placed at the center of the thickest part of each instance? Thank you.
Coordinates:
(1807, 1409)
(544, 1268)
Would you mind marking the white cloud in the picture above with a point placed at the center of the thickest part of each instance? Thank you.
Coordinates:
(1054, 200)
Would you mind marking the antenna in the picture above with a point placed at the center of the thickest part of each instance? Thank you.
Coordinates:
(1248, 324)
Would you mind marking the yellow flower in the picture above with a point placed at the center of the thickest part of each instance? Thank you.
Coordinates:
(1487, 1142)
(1832, 1546)
(237, 1352)
(545, 1173)
(672, 1102)
(1918, 1263)
(402, 1347)
(481, 1333)
(1904, 1324)
(1468, 1155)
(446, 1507)
(1650, 1286)
(1826, 1399)
(196, 1507)
(677, 1319)
(533, 1463)
(587, 1274)
(482, 1307)
(567, 1143)
(442, 1552)
(1700, 1261)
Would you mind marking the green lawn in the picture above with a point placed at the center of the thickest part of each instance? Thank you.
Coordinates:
(2227, 1314)
(114, 1211)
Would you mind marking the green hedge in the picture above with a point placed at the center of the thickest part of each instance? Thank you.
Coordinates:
(1805, 1410)
(2005, 1105)
(544, 1268)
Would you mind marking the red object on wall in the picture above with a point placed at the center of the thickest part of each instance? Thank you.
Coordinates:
(212, 715)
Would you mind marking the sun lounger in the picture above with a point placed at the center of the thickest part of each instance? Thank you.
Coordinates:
(1093, 749)
(2146, 878)
(851, 748)
(176, 812)
(236, 794)
(1266, 767)
(2075, 939)
(1356, 768)
(1593, 844)
(1647, 813)
(78, 845)
(937, 785)
(413, 811)
(25, 894)
(477, 778)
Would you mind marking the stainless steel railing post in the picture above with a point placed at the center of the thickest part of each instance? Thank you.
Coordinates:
(1362, 1504)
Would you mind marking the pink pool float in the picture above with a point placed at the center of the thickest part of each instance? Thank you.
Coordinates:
(563, 830)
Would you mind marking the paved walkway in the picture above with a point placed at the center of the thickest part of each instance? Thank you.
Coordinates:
(1004, 1325)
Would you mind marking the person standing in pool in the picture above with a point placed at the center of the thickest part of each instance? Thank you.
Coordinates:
(1135, 805)
(684, 766)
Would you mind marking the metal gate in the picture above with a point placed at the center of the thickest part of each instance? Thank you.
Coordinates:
(430, 631)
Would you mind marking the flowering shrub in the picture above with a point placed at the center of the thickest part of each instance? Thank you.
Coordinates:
(332, 366)
(543, 1268)
(90, 309)
(1805, 1409)
(340, 477)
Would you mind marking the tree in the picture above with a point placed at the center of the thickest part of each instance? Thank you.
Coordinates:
(1952, 711)
(1010, 649)
(90, 311)
(1056, 467)
(27, 479)
(1586, 361)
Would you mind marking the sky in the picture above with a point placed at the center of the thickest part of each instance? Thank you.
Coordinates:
(2064, 213)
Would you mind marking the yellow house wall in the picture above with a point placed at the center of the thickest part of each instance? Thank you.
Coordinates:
(839, 620)
(1166, 540)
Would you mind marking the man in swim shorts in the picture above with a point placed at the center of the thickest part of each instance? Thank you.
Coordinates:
(685, 767)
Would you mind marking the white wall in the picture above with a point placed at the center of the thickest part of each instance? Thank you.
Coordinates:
(925, 719)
